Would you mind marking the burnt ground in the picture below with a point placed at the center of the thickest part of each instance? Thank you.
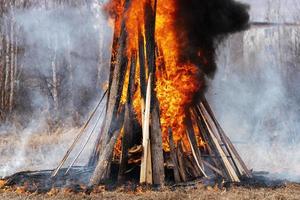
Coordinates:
(290, 191)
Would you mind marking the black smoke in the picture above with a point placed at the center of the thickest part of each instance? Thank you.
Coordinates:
(202, 24)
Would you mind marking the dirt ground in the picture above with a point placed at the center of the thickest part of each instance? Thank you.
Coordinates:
(291, 191)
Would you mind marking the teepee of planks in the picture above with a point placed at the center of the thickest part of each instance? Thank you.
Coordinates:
(214, 157)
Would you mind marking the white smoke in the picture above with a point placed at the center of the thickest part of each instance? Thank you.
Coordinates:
(255, 96)
(75, 33)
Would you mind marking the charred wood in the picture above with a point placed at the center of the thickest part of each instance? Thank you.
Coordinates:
(127, 139)
(174, 157)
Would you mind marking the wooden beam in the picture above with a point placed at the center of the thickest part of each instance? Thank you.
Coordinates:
(174, 157)
(81, 132)
(146, 167)
(231, 173)
(181, 161)
(102, 168)
(213, 168)
(205, 136)
(127, 138)
(236, 159)
(157, 147)
(193, 142)
(143, 84)
(149, 18)
(114, 97)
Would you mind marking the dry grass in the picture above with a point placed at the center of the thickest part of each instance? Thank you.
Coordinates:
(291, 191)
(31, 152)
(43, 144)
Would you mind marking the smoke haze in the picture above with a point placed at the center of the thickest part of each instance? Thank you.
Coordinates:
(76, 39)
(255, 92)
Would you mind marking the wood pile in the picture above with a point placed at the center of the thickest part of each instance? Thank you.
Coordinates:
(217, 158)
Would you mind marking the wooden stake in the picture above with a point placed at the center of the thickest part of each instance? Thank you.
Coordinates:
(174, 157)
(181, 162)
(156, 146)
(236, 159)
(86, 141)
(128, 121)
(205, 137)
(102, 168)
(193, 142)
(146, 167)
(143, 86)
(232, 176)
(62, 162)
(117, 76)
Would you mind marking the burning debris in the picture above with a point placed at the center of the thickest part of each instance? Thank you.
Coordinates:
(158, 125)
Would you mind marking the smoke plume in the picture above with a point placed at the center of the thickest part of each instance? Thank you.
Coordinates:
(255, 96)
(202, 24)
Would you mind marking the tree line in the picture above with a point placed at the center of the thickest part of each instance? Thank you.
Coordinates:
(55, 72)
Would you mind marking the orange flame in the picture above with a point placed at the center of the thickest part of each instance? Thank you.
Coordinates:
(176, 82)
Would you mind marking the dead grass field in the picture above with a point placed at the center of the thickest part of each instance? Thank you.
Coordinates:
(37, 146)
(200, 192)
(35, 151)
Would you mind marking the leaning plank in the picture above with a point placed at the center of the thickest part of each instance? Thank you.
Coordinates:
(235, 155)
(156, 146)
(150, 17)
(104, 162)
(181, 161)
(126, 141)
(193, 143)
(174, 157)
(203, 132)
(128, 121)
(81, 132)
(117, 80)
(145, 165)
(143, 86)
(213, 168)
(191, 166)
(237, 160)
(226, 164)
(86, 141)
(115, 90)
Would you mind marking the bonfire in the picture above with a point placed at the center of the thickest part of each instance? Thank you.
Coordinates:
(159, 127)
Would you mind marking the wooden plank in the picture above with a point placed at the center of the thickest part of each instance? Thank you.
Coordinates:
(149, 18)
(235, 155)
(193, 143)
(146, 168)
(102, 168)
(143, 85)
(181, 161)
(231, 174)
(127, 138)
(237, 160)
(191, 166)
(157, 147)
(117, 76)
(174, 157)
(213, 168)
(81, 132)
(203, 132)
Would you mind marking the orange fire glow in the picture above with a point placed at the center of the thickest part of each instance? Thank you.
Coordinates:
(177, 83)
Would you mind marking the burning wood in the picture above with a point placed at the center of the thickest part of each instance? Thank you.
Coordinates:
(160, 89)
